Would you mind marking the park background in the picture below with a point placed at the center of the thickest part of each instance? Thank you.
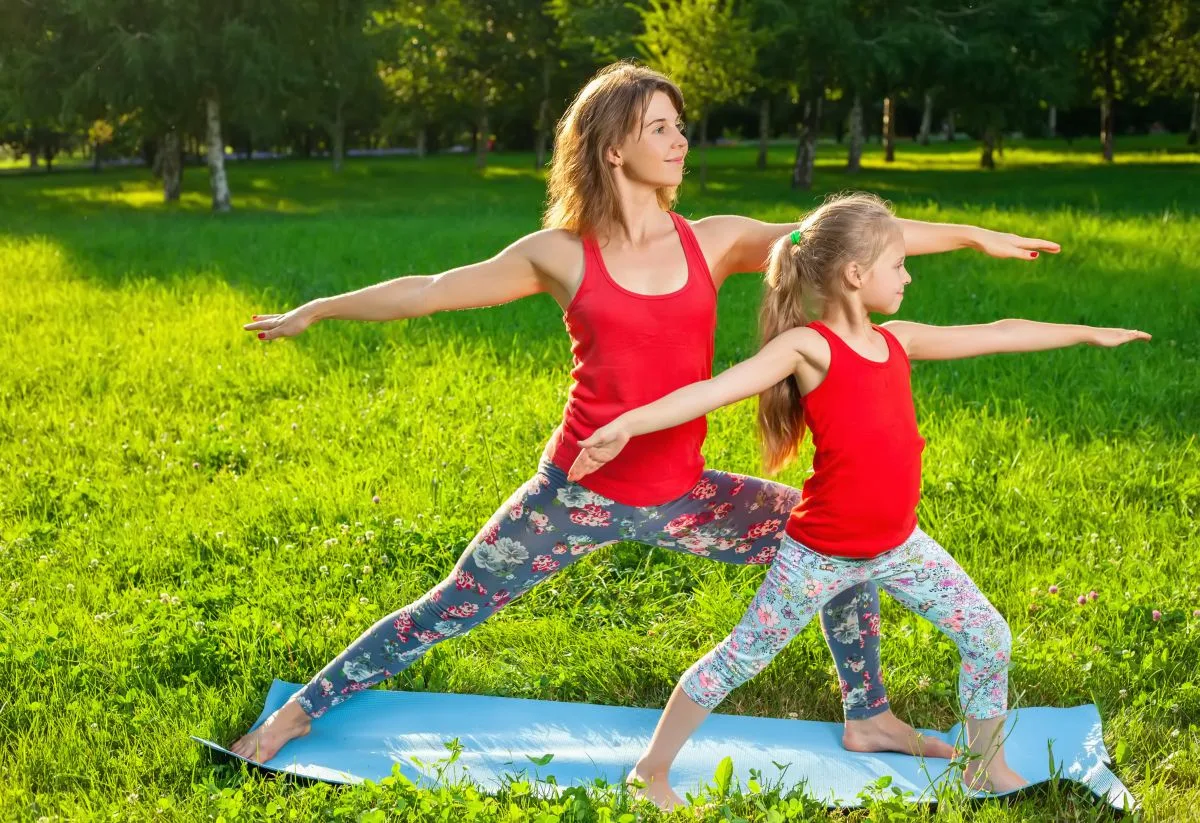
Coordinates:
(186, 513)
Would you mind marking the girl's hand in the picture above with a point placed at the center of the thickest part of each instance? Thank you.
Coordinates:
(1003, 244)
(270, 326)
(1109, 338)
(604, 444)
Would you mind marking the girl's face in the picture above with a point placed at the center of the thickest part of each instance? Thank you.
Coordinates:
(882, 288)
(653, 153)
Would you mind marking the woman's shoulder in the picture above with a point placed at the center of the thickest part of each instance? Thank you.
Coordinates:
(556, 252)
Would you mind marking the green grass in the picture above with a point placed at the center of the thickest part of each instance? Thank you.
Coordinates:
(169, 484)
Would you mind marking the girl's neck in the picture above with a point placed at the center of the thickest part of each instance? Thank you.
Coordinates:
(847, 319)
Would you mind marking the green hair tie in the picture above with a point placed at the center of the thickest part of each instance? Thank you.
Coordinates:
(796, 235)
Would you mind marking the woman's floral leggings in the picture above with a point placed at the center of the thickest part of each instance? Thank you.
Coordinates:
(919, 573)
(550, 523)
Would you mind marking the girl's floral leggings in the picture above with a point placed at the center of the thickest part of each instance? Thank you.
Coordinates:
(919, 574)
(550, 523)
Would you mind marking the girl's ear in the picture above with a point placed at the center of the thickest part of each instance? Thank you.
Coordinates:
(853, 275)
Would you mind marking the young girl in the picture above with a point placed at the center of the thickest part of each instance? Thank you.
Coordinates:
(848, 382)
(637, 285)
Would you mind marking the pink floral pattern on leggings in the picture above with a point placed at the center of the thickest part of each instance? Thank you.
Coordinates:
(920, 574)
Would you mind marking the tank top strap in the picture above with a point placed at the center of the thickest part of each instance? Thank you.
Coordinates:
(832, 339)
(691, 250)
(894, 346)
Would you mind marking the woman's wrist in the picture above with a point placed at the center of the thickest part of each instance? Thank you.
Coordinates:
(317, 309)
(971, 237)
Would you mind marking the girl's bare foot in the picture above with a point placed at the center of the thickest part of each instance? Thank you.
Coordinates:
(287, 723)
(997, 778)
(654, 787)
(885, 732)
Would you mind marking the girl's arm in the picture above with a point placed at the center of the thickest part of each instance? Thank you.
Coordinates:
(774, 362)
(741, 244)
(538, 262)
(924, 342)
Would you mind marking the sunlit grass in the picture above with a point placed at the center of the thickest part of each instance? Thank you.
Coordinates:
(170, 485)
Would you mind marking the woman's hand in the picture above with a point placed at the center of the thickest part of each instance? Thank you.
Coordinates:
(270, 326)
(1006, 245)
(604, 445)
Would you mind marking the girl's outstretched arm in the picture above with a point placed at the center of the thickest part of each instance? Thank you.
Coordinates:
(924, 342)
(774, 362)
(539, 262)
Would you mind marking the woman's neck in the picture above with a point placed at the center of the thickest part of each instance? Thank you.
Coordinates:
(641, 216)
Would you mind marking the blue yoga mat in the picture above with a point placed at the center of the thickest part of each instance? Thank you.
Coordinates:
(363, 738)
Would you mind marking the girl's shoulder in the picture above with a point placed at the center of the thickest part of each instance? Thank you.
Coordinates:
(809, 343)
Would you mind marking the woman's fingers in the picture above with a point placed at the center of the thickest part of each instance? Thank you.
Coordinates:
(1037, 244)
(261, 321)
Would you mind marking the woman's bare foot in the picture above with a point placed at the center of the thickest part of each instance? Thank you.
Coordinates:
(996, 778)
(287, 723)
(885, 732)
(654, 787)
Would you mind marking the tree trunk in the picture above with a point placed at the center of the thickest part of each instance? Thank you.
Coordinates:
(33, 157)
(854, 159)
(422, 141)
(889, 129)
(926, 119)
(1106, 127)
(1194, 131)
(95, 158)
(806, 147)
(170, 166)
(48, 156)
(704, 151)
(481, 145)
(986, 159)
(216, 155)
(543, 121)
(764, 132)
(338, 135)
(950, 126)
(1052, 122)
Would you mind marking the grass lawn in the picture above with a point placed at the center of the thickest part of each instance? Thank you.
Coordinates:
(186, 513)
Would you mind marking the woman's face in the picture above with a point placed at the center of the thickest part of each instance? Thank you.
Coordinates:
(653, 153)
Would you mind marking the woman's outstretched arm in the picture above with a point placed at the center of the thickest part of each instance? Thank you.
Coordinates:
(539, 262)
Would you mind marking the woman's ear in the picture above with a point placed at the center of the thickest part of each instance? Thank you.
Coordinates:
(613, 155)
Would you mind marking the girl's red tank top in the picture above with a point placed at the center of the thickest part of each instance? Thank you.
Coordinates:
(861, 499)
(630, 349)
